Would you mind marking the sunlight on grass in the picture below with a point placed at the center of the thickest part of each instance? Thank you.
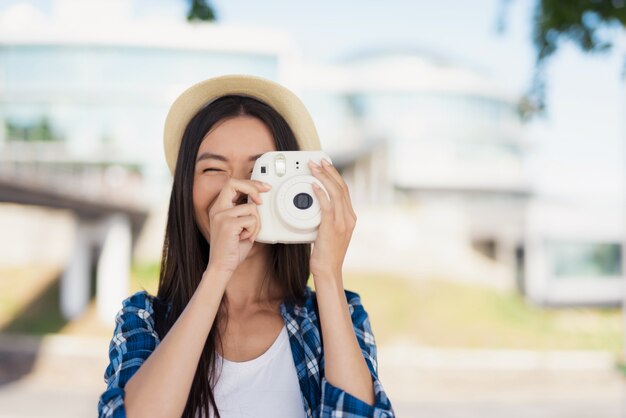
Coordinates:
(145, 277)
(430, 312)
(444, 314)
(29, 299)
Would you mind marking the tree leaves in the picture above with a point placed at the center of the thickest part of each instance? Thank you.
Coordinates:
(586, 23)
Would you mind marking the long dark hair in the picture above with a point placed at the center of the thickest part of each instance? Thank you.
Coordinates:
(186, 251)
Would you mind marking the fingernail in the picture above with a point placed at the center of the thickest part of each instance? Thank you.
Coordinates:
(314, 166)
(315, 186)
(325, 162)
(267, 185)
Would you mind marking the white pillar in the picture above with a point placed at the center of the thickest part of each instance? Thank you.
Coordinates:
(74, 292)
(113, 273)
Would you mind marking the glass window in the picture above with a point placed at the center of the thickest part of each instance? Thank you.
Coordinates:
(102, 70)
(580, 259)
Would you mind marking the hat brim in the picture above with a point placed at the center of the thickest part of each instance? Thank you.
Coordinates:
(283, 100)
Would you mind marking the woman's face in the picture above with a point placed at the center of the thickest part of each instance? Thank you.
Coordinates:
(229, 149)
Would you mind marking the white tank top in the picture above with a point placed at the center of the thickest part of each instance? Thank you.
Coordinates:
(264, 387)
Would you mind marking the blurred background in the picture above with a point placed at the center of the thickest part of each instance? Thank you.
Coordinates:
(483, 144)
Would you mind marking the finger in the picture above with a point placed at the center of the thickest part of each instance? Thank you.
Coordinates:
(258, 224)
(229, 193)
(324, 201)
(333, 189)
(248, 209)
(253, 234)
(251, 188)
(332, 171)
(243, 225)
(241, 210)
(250, 234)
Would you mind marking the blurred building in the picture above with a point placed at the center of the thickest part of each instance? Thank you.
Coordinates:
(436, 156)
(443, 146)
(82, 108)
(574, 252)
(434, 153)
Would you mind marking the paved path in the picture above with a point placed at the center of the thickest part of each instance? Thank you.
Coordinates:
(434, 394)
(68, 385)
(487, 394)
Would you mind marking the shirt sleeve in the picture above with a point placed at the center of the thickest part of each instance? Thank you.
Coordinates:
(339, 403)
(134, 339)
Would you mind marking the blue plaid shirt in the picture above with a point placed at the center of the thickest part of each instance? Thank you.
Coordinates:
(135, 338)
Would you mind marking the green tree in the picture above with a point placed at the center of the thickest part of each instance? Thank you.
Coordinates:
(40, 130)
(200, 10)
(590, 24)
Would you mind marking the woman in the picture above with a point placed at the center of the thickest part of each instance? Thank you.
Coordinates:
(234, 329)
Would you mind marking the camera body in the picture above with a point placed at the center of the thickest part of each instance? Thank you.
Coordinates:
(290, 212)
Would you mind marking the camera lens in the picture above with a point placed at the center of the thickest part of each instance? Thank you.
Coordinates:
(302, 201)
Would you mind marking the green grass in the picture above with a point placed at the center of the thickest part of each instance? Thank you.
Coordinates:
(430, 312)
(42, 316)
(445, 314)
(145, 277)
(448, 314)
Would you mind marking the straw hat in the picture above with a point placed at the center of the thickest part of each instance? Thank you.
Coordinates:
(283, 100)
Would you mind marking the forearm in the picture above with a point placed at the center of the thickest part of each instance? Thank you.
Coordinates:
(345, 366)
(160, 387)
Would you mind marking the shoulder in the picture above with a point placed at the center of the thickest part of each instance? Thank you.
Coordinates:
(140, 298)
(139, 301)
(138, 310)
(144, 300)
(134, 338)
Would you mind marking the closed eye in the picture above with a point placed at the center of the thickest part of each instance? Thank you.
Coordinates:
(216, 169)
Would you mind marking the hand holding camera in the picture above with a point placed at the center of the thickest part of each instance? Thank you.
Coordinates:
(233, 227)
(290, 211)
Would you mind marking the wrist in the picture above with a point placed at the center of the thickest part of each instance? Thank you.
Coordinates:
(327, 276)
(216, 275)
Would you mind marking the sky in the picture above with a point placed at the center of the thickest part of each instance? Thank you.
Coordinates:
(577, 152)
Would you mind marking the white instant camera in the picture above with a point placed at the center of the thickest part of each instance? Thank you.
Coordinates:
(290, 212)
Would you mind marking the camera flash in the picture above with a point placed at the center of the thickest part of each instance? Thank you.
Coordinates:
(280, 165)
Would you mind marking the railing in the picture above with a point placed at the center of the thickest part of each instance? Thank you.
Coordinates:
(50, 167)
